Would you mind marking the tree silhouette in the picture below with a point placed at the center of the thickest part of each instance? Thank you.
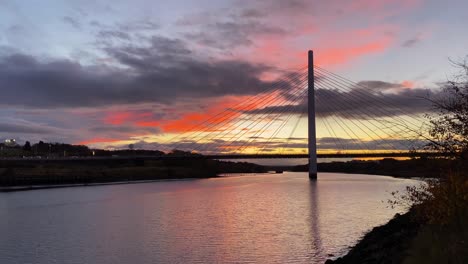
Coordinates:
(27, 146)
(449, 128)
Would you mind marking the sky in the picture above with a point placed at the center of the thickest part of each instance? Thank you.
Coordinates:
(112, 73)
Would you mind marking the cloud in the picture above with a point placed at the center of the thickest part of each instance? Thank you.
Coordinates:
(365, 100)
(411, 42)
(251, 13)
(379, 85)
(207, 59)
(72, 21)
(163, 70)
(184, 116)
(97, 140)
(408, 84)
(138, 25)
(113, 34)
(126, 31)
(346, 144)
(359, 43)
(222, 146)
(127, 130)
(415, 39)
(232, 34)
(13, 126)
(25, 128)
(267, 145)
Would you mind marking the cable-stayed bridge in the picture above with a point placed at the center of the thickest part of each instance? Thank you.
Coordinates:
(310, 112)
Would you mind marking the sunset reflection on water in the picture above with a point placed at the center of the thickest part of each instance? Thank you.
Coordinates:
(264, 218)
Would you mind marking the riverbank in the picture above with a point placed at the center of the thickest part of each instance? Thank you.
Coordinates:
(51, 186)
(17, 176)
(404, 240)
(383, 244)
(433, 231)
(411, 168)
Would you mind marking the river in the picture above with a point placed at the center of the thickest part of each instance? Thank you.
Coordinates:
(263, 218)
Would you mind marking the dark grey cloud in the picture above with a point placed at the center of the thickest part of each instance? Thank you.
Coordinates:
(218, 146)
(165, 70)
(411, 42)
(14, 127)
(362, 103)
(368, 99)
(344, 144)
(252, 13)
(125, 129)
(113, 34)
(133, 32)
(161, 71)
(95, 23)
(120, 131)
(236, 28)
(379, 85)
(160, 53)
(224, 35)
(138, 25)
(267, 145)
(266, 7)
(72, 21)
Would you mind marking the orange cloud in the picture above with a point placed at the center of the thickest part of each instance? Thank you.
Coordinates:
(117, 118)
(121, 117)
(334, 56)
(333, 48)
(339, 32)
(209, 120)
(408, 84)
(148, 123)
(220, 115)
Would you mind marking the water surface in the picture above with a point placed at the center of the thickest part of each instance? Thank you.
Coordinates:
(263, 218)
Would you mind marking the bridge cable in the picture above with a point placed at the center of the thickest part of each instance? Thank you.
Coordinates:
(351, 116)
(336, 110)
(334, 137)
(355, 138)
(271, 121)
(348, 92)
(268, 89)
(265, 104)
(227, 117)
(364, 90)
(252, 104)
(291, 114)
(370, 118)
(303, 112)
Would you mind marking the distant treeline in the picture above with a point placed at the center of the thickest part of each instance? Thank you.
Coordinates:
(416, 167)
(24, 173)
(45, 149)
